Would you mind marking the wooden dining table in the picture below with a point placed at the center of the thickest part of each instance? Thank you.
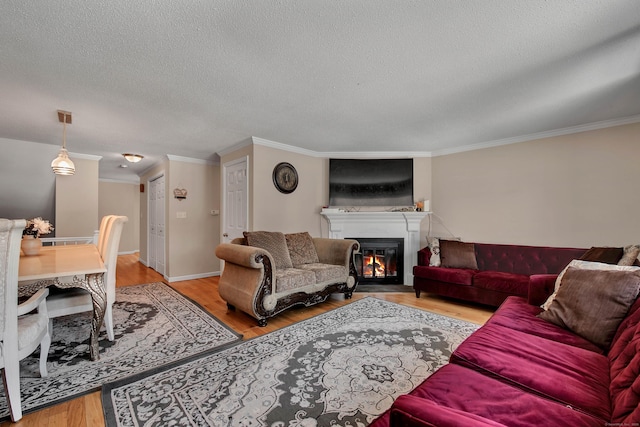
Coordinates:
(72, 266)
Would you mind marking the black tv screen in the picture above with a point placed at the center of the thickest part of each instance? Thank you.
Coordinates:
(370, 182)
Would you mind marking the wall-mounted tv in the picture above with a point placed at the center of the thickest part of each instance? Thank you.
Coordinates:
(370, 182)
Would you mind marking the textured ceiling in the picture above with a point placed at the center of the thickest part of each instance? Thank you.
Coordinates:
(191, 78)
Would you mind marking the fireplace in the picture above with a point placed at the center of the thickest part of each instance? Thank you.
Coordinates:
(380, 260)
(405, 225)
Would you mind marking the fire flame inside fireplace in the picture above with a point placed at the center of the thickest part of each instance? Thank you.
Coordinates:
(374, 266)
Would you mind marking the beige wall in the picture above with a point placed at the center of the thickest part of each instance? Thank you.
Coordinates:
(115, 198)
(77, 200)
(297, 211)
(300, 211)
(191, 241)
(576, 190)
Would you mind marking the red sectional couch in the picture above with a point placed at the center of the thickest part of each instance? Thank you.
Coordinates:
(503, 271)
(520, 370)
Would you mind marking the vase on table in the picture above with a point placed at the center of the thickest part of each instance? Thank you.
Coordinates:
(31, 245)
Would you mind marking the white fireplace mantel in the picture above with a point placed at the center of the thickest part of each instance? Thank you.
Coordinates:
(380, 225)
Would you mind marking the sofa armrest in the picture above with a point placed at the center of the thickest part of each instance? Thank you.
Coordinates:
(245, 256)
(410, 411)
(541, 286)
(424, 256)
(335, 251)
(247, 281)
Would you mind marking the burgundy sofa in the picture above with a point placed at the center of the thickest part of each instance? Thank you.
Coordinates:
(503, 271)
(520, 370)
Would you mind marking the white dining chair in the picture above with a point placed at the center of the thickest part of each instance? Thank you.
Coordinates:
(63, 302)
(102, 232)
(21, 333)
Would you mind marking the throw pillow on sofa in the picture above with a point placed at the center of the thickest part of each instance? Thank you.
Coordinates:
(454, 254)
(434, 248)
(592, 303)
(272, 242)
(607, 255)
(301, 248)
(583, 265)
(630, 255)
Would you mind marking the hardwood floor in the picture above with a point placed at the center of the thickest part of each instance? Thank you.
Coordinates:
(87, 410)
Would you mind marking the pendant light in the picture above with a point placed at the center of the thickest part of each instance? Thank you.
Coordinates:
(62, 165)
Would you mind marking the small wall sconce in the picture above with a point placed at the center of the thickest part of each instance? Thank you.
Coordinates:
(180, 194)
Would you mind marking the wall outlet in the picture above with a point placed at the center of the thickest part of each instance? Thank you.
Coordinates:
(181, 215)
(214, 212)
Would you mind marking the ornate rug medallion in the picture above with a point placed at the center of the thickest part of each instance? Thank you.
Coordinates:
(154, 326)
(342, 368)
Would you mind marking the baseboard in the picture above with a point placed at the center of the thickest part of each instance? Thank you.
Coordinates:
(191, 276)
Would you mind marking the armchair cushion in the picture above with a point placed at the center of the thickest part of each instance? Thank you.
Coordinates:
(293, 278)
(272, 242)
(301, 248)
(326, 272)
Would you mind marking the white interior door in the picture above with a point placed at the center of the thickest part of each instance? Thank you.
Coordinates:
(236, 199)
(157, 224)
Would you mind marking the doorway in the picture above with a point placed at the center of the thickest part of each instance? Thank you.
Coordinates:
(235, 198)
(156, 226)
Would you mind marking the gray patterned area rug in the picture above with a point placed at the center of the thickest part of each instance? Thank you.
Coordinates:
(341, 368)
(154, 325)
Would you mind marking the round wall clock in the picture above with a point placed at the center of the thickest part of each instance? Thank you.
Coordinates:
(285, 177)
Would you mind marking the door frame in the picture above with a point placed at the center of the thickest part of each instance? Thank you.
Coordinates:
(148, 233)
(223, 223)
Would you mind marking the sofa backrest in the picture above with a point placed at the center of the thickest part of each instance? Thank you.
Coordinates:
(624, 363)
(525, 260)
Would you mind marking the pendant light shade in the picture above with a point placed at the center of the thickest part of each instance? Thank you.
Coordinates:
(62, 165)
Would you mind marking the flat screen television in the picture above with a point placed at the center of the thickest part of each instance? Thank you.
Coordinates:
(371, 182)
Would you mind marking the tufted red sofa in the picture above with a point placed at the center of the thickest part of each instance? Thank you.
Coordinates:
(519, 370)
(503, 271)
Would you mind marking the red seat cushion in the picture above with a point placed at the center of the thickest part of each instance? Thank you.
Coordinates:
(460, 276)
(516, 313)
(570, 375)
(463, 389)
(514, 284)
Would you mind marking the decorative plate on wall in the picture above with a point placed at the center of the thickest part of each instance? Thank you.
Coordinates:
(285, 177)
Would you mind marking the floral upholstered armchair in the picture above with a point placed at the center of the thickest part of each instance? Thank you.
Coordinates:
(267, 272)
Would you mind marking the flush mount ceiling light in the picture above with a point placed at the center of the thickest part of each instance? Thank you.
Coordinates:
(62, 165)
(133, 158)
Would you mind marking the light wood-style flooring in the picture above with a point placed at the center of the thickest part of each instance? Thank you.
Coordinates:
(87, 410)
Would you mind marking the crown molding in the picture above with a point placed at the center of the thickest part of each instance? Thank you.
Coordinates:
(539, 135)
(173, 158)
(442, 152)
(375, 154)
(284, 147)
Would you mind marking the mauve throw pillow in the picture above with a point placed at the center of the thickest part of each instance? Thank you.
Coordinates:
(454, 254)
(603, 254)
(301, 248)
(592, 303)
(272, 242)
